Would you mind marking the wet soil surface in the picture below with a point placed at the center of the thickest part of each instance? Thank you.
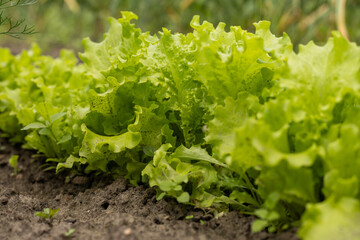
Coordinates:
(101, 208)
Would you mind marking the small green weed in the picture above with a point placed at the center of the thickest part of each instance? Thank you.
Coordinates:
(47, 213)
(68, 233)
(13, 161)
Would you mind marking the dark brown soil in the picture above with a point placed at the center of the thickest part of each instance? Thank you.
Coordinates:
(99, 208)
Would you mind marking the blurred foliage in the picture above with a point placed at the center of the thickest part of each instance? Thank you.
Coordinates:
(63, 23)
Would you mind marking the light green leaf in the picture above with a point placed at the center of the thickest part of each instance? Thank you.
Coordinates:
(13, 161)
(34, 125)
(195, 153)
(183, 198)
(259, 225)
(331, 220)
(69, 163)
(64, 139)
(56, 116)
(93, 142)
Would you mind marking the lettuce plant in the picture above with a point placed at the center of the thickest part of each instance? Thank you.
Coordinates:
(214, 118)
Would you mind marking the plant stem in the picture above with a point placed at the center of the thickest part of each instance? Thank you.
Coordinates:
(340, 18)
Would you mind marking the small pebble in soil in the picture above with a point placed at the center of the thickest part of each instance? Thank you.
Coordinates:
(58, 197)
(70, 220)
(129, 220)
(4, 200)
(127, 231)
(19, 176)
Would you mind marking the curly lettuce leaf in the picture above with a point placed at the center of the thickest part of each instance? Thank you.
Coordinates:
(331, 220)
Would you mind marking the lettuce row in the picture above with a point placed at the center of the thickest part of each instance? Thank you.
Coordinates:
(213, 118)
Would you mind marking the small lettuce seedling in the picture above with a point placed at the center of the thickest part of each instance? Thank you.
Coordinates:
(47, 213)
(13, 161)
(68, 233)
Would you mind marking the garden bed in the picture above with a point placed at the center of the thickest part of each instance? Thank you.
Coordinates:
(218, 120)
(100, 208)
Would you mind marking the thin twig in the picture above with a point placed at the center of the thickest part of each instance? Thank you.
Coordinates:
(18, 3)
(9, 26)
(13, 28)
(340, 18)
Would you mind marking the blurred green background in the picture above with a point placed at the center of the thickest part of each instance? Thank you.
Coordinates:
(63, 23)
